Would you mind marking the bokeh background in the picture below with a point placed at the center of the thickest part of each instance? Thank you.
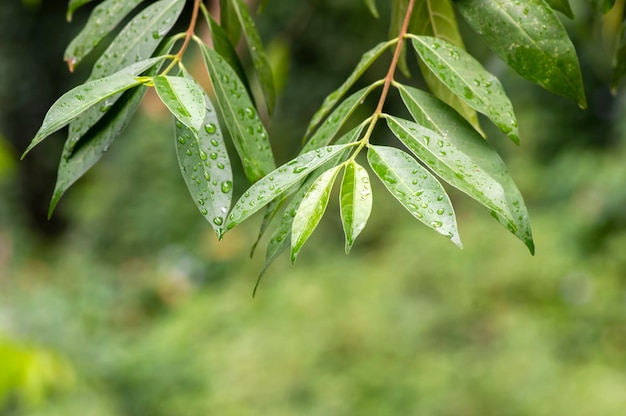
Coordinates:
(125, 303)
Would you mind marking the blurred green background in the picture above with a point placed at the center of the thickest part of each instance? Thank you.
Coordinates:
(125, 304)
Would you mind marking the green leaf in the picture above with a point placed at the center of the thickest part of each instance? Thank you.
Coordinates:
(311, 210)
(257, 52)
(436, 18)
(530, 38)
(456, 153)
(467, 78)
(607, 5)
(206, 168)
(561, 6)
(337, 119)
(277, 182)
(619, 58)
(73, 5)
(243, 122)
(355, 201)
(96, 143)
(103, 19)
(80, 99)
(136, 42)
(398, 13)
(229, 21)
(415, 188)
(184, 98)
(371, 5)
(333, 98)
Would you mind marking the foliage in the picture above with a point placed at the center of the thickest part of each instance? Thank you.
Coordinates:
(443, 136)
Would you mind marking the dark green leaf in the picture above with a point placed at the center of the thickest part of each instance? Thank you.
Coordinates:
(436, 18)
(205, 166)
(277, 182)
(619, 58)
(561, 6)
(355, 201)
(229, 21)
(184, 98)
(243, 122)
(455, 152)
(337, 119)
(103, 19)
(73, 5)
(257, 52)
(530, 38)
(333, 98)
(398, 13)
(467, 78)
(311, 210)
(607, 5)
(415, 188)
(371, 5)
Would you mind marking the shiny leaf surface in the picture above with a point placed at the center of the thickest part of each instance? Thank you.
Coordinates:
(355, 201)
(184, 98)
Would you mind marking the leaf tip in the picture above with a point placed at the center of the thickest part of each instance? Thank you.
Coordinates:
(71, 63)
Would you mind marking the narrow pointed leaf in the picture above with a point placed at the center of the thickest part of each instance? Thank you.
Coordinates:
(311, 210)
(327, 131)
(436, 18)
(229, 21)
(355, 201)
(103, 19)
(96, 144)
(184, 98)
(530, 38)
(206, 168)
(562, 6)
(257, 52)
(136, 42)
(277, 182)
(333, 98)
(398, 13)
(79, 99)
(415, 188)
(270, 213)
(73, 5)
(458, 155)
(246, 129)
(467, 78)
(619, 58)
(371, 5)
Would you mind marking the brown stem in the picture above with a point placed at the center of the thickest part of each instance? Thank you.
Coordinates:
(190, 30)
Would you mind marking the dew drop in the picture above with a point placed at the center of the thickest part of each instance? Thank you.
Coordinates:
(218, 221)
(212, 155)
(202, 155)
(204, 211)
(210, 128)
(227, 186)
(181, 140)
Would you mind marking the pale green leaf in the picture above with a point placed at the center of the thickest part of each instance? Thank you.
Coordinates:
(355, 201)
(531, 39)
(246, 129)
(562, 6)
(327, 131)
(371, 5)
(277, 182)
(311, 210)
(436, 18)
(333, 98)
(137, 41)
(415, 188)
(461, 157)
(206, 168)
(184, 98)
(103, 19)
(619, 58)
(467, 78)
(257, 52)
(73, 5)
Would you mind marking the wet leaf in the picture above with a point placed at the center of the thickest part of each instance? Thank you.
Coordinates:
(242, 120)
(454, 151)
(311, 210)
(257, 52)
(415, 188)
(530, 38)
(467, 78)
(73, 5)
(561, 6)
(333, 98)
(327, 131)
(355, 201)
(436, 18)
(619, 58)
(184, 98)
(205, 166)
(277, 182)
(103, 19)
(371, 5)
